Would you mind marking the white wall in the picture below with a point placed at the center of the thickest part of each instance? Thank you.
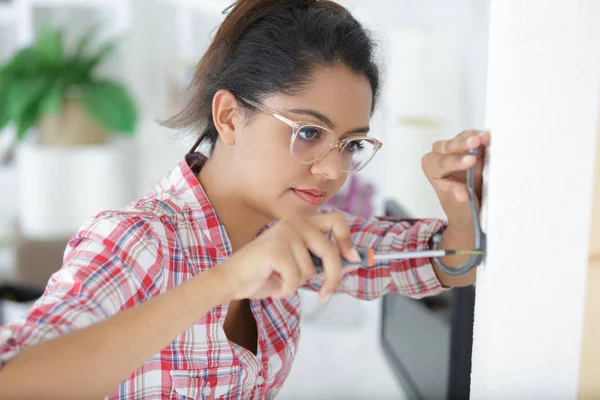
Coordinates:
(543, 93)
(433, 54)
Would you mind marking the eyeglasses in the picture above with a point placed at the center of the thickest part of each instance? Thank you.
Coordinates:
(311, 143)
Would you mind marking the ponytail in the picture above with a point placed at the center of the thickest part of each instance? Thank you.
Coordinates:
(246, 13)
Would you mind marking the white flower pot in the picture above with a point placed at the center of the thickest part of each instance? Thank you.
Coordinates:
(62, 187)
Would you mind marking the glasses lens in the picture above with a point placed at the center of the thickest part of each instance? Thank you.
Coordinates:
(311, 142)
(357, 153)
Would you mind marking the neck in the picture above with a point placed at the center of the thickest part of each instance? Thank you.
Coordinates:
(241, 222)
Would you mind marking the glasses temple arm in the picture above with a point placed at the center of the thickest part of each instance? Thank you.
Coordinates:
(267, 110)
(480, 237)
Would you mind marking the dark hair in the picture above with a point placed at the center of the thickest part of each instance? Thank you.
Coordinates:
(273, 46)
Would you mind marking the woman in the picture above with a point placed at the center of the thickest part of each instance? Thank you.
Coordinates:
(192, 291)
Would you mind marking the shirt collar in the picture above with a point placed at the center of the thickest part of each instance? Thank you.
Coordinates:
(184, 184)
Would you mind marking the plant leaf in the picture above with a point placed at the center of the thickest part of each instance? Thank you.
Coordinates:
(4, 114)
(71, 73)
(52, 102)
(23, 94)
(49, 47)
(28, 119)
(87, 66)
(24, 63)
(111, 105)
(84, 42)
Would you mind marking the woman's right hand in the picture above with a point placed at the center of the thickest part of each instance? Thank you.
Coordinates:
(278, 262)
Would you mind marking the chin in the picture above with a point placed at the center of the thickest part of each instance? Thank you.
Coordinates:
(288, 212)
(292, 207)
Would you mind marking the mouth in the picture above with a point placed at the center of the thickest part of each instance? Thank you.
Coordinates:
(314, 197)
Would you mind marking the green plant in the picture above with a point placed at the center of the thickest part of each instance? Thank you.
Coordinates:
(38, 79)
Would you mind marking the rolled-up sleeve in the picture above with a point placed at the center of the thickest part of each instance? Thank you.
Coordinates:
(109, 266)
(415, 278)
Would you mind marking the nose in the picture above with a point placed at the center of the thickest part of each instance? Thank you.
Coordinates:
(329, 166)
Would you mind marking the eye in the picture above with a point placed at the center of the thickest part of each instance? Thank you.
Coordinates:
(309, 133)
(355, 146)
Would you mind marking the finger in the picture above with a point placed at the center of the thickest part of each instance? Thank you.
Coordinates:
(332, 267)
(284, 263)
(290, 277)
(271, 288)
(455, 189)
(336, 225)
(464, 141)
(481, 152)
(486, 138)
(440, 146)
(437, 166)
(330, 255)
(303, 260)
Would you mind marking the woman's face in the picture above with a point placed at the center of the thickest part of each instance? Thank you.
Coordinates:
(270, 179)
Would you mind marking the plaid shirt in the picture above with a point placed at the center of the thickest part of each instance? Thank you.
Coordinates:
(119, 259)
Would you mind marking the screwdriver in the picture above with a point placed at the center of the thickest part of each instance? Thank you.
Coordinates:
(368, 257)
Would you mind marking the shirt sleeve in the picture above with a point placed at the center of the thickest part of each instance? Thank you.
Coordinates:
(111, 265)
(413, 278)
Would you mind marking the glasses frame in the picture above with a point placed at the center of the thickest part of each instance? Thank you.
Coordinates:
(298, 125)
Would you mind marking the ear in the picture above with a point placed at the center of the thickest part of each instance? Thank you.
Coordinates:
(226, 116)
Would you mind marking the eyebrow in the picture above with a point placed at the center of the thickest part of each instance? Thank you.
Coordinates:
(326, 120)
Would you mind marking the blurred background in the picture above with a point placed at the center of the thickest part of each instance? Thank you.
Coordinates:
(59, 169)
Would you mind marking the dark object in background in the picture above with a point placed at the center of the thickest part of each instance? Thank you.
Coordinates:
(428, 342)
(36, 260)
(17, 294)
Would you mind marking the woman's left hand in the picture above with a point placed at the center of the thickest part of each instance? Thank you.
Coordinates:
(445, 167)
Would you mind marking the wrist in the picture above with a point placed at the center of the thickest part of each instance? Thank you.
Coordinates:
(458, 237)
(214, 282)
(459, 227)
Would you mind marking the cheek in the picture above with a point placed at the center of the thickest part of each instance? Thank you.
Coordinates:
(262, 158)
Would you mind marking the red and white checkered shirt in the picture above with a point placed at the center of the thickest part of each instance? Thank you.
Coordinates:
(119, 259)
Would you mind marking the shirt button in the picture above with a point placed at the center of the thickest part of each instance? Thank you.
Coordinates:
(259, 380)
(206, 391)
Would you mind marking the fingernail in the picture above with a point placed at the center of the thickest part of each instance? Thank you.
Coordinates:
(468, 159)
(354, 255)
(482, 133)
(325, 298)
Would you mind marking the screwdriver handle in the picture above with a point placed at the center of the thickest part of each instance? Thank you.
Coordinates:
(366, 259)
